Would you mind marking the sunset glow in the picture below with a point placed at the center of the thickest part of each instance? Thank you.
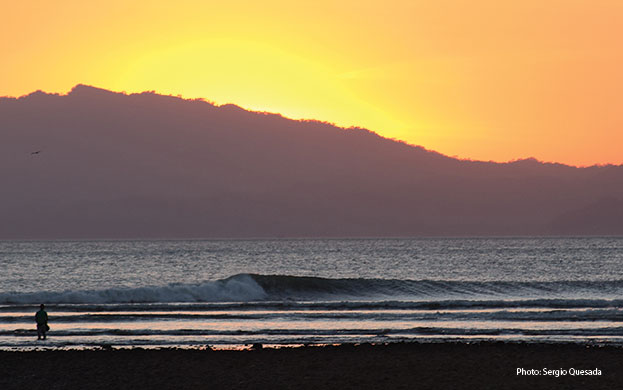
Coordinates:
(484, 79)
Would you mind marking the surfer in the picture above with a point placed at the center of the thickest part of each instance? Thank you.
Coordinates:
(42, 322)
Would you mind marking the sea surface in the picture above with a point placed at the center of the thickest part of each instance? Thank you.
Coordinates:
(232, 293)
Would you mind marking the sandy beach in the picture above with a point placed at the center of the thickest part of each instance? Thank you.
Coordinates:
(392, 366)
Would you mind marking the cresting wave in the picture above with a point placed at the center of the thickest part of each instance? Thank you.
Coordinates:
(285, 288)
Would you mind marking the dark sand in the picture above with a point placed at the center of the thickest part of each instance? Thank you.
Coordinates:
(393, 366)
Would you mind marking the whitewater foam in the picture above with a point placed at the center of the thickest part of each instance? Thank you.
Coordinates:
(238, 288)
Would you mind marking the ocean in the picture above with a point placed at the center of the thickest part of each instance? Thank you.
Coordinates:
(231, 293)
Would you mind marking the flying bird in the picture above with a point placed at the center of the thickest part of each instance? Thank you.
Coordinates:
(37, 152)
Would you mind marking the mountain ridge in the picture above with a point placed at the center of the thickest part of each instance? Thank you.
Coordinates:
(85, 89)
(116, 165)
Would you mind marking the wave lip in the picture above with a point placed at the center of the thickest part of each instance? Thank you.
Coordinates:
(286, 288)
(301, 285)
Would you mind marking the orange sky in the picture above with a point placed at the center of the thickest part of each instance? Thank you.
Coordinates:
(480, 79)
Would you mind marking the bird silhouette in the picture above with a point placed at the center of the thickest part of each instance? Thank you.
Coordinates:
(37, 152)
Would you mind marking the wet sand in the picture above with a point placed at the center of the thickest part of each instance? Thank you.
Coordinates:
(393, 366)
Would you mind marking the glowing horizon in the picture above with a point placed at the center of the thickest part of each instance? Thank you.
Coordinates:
(476, 80)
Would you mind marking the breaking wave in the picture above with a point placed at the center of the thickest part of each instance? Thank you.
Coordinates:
(261, 288)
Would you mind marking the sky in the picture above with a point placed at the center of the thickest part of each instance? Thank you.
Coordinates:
(477, 79)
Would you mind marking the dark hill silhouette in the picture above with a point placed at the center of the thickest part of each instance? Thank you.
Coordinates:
(113, 165)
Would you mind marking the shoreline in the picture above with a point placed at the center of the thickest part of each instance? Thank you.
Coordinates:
(345, 366)
(41, 346)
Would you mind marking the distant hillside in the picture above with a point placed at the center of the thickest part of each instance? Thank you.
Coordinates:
(144, 165)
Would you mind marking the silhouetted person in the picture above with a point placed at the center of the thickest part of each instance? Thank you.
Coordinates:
(42, 322)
